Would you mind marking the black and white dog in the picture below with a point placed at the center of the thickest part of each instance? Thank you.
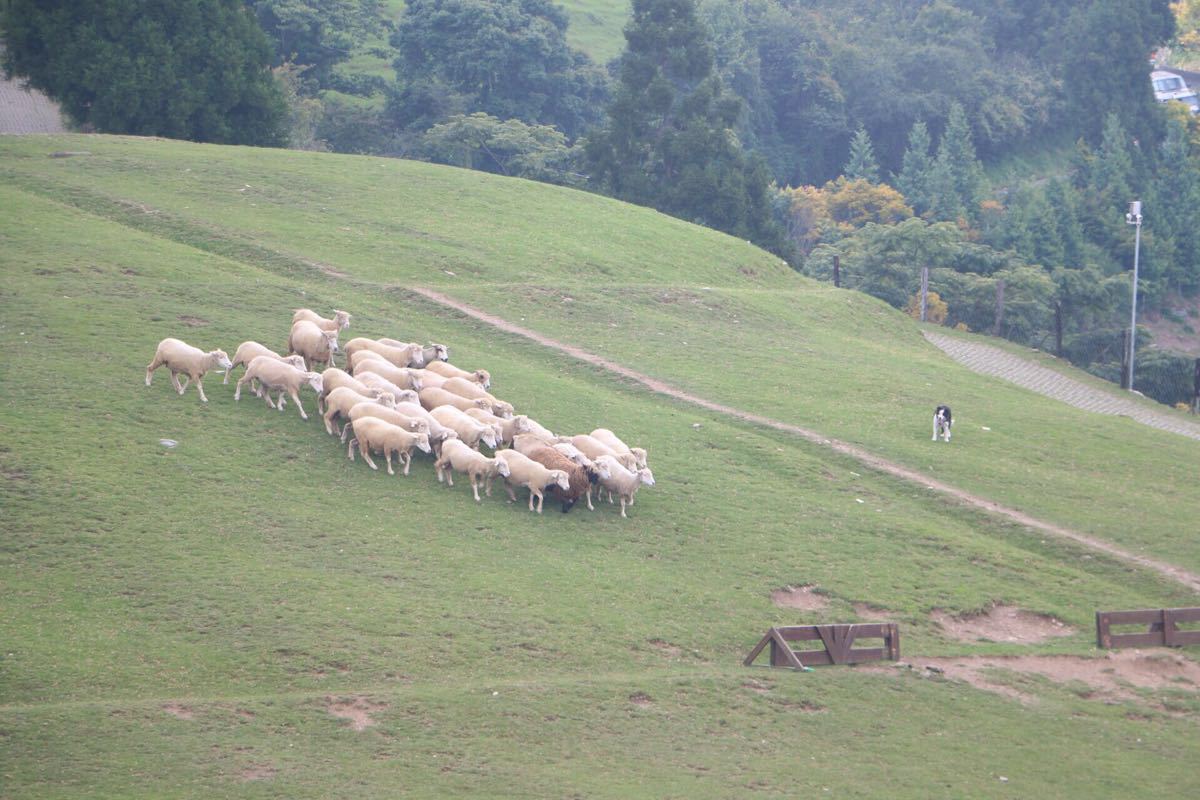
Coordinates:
(942, 422)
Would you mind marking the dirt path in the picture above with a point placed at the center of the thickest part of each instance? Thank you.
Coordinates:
(1182, 576)
(993, 361)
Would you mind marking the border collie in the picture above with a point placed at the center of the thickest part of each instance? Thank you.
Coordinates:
(942, 422)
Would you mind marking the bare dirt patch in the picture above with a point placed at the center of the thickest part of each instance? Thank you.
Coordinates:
(641, 699)
(179, 711)
(259, 772)
(666, 648)
(357, 709)
(804, 598)
(1002, 624)
(1116, 675)
(193, 322)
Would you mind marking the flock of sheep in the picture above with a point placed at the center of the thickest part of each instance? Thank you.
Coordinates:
(395, 397)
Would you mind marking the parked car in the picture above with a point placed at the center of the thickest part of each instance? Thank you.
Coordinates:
(1169, 86)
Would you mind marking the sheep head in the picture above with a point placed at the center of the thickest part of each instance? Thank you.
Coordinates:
(441, 352)
(423, 443)
(645, 476)
(315, 380)
(521, 424)
(639, 455)
(560, 479)
(296, 361)
(331, 341)
(222, 359)
(341, 318)
(502, 467)
(483, 378)
(502, 409)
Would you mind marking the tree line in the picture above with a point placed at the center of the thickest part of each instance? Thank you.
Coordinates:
(829, 127)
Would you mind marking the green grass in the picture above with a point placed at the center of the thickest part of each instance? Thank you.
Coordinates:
(597, 27)
(252, 575)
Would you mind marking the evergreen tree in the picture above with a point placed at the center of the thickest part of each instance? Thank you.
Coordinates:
(861, 164)
(959, 169)
(1175, 248)
(1064, 205)
(915, 169)
(187, 69)
(669, 140)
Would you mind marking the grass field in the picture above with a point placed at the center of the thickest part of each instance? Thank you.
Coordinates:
(217, 618)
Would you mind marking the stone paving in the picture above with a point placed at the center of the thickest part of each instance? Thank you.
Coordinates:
(989, 360)
(25, 111)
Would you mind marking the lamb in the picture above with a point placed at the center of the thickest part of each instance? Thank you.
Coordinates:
(470, 431)
(371, 433)
(594, 448)
(579, 479)
(275, 374)
(623, 481)
(430, 352)
(407, 356)
(181, 357)
(438, 433)
(524, 471)
(605, 436)
(404, 377)
(431, 398)
(508, 428)
(340, 321)
(446, 369)
(457, 456)
(249, 350)
(343, 398)
(385, 386)
(317, 346)
(473, 391)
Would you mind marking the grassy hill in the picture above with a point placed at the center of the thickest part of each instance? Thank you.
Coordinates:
(211, 619)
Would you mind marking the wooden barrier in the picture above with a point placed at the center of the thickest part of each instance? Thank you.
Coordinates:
(1163, 631)
(838, 641)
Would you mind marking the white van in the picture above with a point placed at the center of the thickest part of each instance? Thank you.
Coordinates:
(1169, 86)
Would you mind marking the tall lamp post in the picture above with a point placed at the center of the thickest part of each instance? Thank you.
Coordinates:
(1134, 217)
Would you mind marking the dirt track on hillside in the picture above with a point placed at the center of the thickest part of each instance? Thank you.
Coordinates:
(1182, 576)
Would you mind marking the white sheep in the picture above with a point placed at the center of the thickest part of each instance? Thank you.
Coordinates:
(428, 378)
(385, 386)
(623, 481)
(430, 352)
(371, 433)
(593, 448)
(192, 362)
(438, 433)
(275, 374)
(343, 398)
(398, 418)
(432, 397)
(473, 391)
(336, 378)
(318, 346)
(540, 431)
(248, 351)
(508, 428)
(457, 456)
(574, 453)
(605, 436)
(470, 431)
(408, 356)
(340, 321)
(448, 370)
(528, 442)
(404, 377)
(524, 471)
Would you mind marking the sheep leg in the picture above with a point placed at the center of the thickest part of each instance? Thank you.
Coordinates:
(407, 460)
(175, 382)
(328, 416)
(226, 381)
(350, 447)
(153, 365)
(512, 497)
(623, 505)
(366, 453)
(200, 389)
(475, 487)
(296, 400)
(589, 499)
(387, 453)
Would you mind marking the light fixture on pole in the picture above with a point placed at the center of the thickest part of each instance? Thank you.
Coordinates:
(1134, 217)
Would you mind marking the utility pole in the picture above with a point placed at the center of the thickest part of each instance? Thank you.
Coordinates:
(1134, 217)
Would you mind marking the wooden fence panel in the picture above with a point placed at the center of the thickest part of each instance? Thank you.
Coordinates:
(837, 642)
(1163, 628)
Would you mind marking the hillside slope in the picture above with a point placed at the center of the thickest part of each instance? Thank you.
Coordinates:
(248, 612)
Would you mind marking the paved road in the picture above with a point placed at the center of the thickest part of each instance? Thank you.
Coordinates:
(990, 360)
(23, 111)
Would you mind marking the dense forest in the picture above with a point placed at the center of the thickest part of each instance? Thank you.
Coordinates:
(866, 134)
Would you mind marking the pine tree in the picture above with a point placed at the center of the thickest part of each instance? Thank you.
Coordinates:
(861, 164)
(913, 180)
(957, 160)
(190, 69)
(669, 140)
